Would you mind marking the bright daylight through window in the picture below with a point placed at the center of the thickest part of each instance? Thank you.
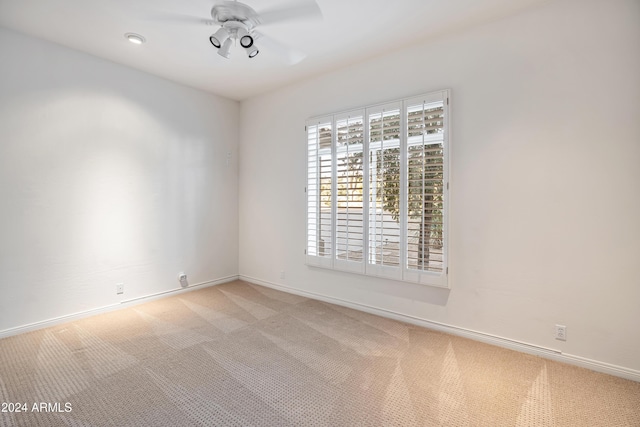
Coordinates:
(378, 190)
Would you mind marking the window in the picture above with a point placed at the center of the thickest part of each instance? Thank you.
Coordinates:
(377, 190)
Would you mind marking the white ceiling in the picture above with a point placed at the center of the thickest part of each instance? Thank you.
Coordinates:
(350, 31)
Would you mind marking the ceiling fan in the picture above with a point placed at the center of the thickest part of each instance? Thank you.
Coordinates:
(238, 22)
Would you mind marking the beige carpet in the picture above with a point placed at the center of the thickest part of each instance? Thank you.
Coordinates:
(244, 355)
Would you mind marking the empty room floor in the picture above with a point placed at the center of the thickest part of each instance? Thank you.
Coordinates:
(239, 354)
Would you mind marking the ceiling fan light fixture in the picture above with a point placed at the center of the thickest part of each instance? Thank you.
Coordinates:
(219, 37)
(246, 40)
(252, 50)
(225, 50)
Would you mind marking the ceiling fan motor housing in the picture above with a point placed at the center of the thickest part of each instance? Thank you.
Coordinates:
(232, 11)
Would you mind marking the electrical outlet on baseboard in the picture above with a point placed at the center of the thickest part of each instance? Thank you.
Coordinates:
(119, 288)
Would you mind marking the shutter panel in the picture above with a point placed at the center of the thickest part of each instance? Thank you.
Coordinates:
(319, 193)
(349, 217)
(425, 190)
(384, 158)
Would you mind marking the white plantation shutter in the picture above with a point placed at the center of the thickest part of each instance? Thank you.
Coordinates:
(349, 216)
(378, 190)
(319, 192)
(425, 213)
(384, 152)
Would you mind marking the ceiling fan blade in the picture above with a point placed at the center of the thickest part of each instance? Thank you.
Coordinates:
(177, 18)
(291, 56)
(305, 9)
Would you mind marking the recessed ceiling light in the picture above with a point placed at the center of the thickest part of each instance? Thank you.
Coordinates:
(135, 38)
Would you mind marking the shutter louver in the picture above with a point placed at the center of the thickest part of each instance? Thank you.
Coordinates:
(384, 188)
(319, 198)
(425, 187)
(349, 218)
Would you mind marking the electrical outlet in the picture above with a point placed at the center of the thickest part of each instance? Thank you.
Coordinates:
(120, 289)
(561, 332)
(282, 274)
(182, 278)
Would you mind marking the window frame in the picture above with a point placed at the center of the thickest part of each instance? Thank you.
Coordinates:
(403, 272)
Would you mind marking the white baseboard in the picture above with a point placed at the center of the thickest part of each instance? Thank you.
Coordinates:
(107, 308)
(548, 353)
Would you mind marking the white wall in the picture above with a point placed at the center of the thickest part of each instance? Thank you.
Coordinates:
(107, 175)
(545, 209)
